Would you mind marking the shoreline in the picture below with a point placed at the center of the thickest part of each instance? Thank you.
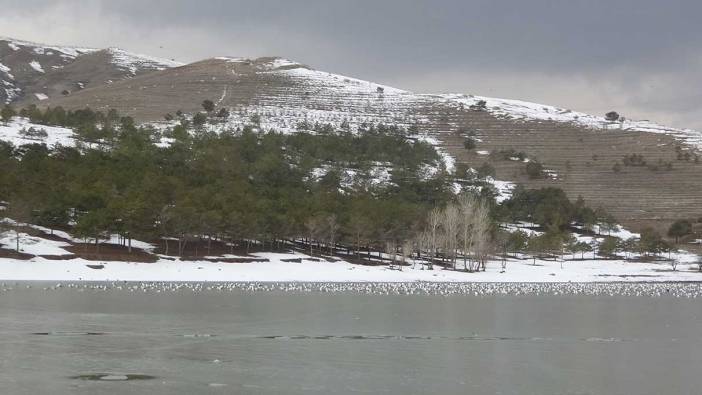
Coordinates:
(298, 267)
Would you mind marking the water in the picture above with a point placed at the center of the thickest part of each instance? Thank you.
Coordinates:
(69, 341)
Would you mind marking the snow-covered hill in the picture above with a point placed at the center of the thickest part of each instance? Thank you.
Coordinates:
(581, 153)
(32, 71)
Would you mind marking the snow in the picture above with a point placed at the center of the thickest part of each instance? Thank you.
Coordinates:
(113, 239)
(128, 61)
(36, 66)
(11, 92)
(4, 69)
(276, 270)
(378, 175)
(133, 63)
(618, 232)
(70, 52)
(10, 132)
(232, 59)
(504, 189)
(525, 227)
(448, 160)
(33, 245)
(278, 63)
(521, 110)
(41, 96)
(352, 85)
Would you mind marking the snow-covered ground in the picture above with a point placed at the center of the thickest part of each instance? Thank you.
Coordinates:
(132, 62)
(276, 267)
(12, 132)
(276, 270)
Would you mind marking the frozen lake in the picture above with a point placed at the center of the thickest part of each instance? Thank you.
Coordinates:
(70, 341)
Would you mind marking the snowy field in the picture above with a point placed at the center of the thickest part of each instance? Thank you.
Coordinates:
(277, 270)
(299, 267)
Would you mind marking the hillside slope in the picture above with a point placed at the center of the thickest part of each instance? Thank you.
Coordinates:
(32, 72)
(584, 155)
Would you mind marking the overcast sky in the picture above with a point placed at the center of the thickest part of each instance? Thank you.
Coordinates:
(642, 58)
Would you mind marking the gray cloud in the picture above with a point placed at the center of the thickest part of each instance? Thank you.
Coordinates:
(641, 57)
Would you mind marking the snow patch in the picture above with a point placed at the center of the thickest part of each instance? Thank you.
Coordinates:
(521, 110)
(67, 52)
(133, 63)
(504, 189)
(11, 132)
(36, 66)
(33, 245)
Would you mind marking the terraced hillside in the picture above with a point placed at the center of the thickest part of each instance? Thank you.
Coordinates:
(32, 72)
(585, 155)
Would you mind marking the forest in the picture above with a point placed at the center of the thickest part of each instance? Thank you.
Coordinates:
(375, 189)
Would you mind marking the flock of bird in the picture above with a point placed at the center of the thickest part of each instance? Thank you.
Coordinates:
(651, 289)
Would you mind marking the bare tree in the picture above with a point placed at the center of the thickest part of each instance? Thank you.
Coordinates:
(481, 235)
(20, 211)
(359, 228)
(467, 212)
(314, 226)
(434, 225)
(450, 219)
(406, 252)
(423, 241)
(332, 228)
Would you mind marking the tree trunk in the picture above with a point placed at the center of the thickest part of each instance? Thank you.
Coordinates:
(358, 247)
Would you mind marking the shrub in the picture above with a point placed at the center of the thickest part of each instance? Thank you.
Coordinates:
(480, 105)
(612, 116)
(680, 228)
(510, 154)
(223, 113)
(7, 113)
(469, 143)
(634, 160)
(609, 246)
(486, 170)
(651, 241)
(534, 170)
(199, 119)
(33, 133)
(208, 105)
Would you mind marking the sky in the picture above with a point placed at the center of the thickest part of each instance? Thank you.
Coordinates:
(642, 58)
